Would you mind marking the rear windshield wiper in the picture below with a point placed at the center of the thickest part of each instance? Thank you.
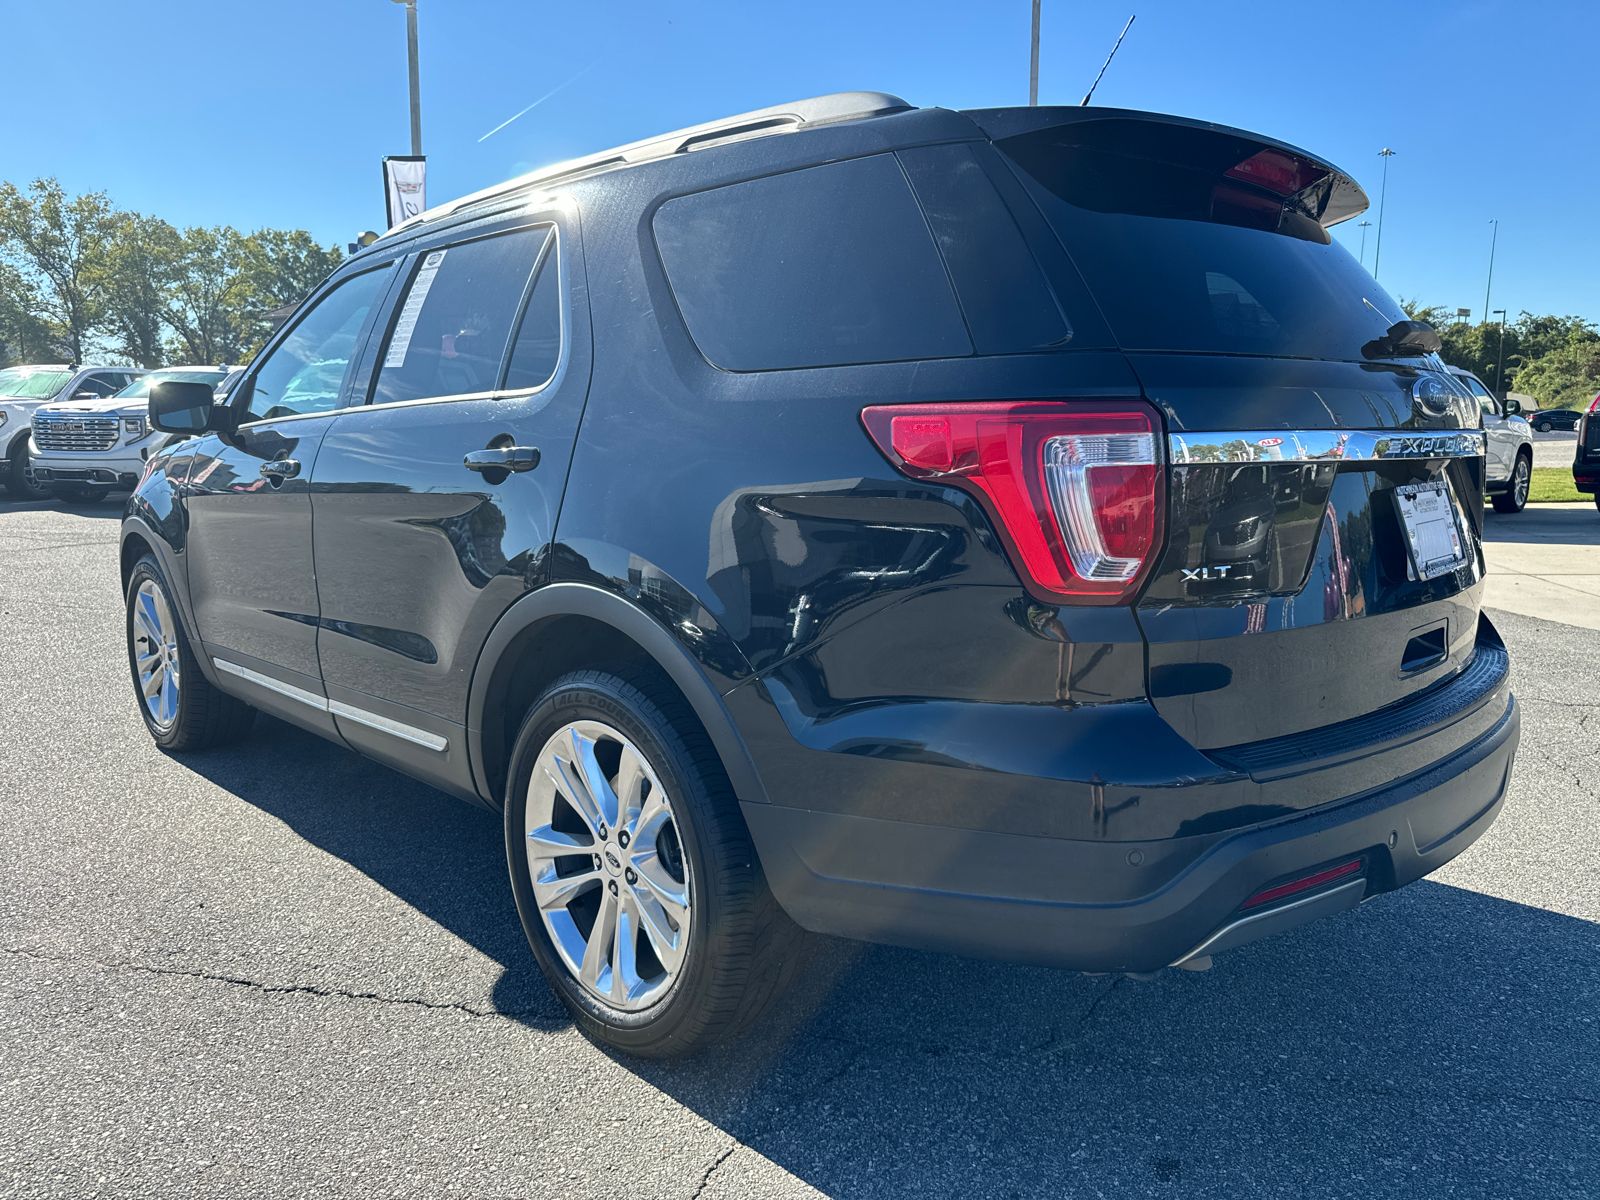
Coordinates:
(1405, 339)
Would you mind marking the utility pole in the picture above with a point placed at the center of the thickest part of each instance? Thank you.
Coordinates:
(416, 97)
(1500, 370)
(1492, 240)
(1377, 255)
(1033, 60)
(1364, 226)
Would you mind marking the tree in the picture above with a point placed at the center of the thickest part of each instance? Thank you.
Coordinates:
(24, 338)
(1528, 341)
(280, 267)
(141, 260)
(1567, 377)
(61, 250)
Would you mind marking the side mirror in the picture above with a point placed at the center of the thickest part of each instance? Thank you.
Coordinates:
(1512, 407)
(187, 408)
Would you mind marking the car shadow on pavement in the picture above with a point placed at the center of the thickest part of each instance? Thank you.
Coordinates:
(111, 507)
(1433, 1041)
(1568, 524)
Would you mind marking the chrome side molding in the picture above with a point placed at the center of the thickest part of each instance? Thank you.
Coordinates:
(349, 712)
(1321, 445)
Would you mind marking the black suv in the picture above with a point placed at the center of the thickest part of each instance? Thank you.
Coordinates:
(1019, 533)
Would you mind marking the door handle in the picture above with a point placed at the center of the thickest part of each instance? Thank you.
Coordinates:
(280, 469)
(502, 458)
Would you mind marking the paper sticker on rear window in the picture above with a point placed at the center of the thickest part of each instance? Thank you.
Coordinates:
(407, 324)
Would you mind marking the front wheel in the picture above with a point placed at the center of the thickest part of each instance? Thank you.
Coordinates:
(1515, 498)
(1543, 426)
(633, 872)
(19, 480)
(180, 707)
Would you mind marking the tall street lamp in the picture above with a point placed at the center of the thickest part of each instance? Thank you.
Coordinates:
(416, 98)
(1365, 225)
(1500, 369)
(1377, 255)
(1490, 283)
(1033, 59)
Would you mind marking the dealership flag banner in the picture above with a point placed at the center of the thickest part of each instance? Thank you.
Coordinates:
(404, 187)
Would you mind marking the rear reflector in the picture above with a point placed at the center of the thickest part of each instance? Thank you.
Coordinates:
(1302, 885)
(1075, 491)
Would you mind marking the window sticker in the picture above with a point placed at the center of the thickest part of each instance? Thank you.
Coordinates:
(407, 325)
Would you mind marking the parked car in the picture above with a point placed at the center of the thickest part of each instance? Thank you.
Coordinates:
(85, 448)
(1021, 533)
(1586, 462)
(1546, 419)
(24, 389)
(1509, 464)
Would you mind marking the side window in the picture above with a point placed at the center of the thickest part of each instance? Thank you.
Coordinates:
(538, 346)
(101, 384)
(1485, 400)
(450, 335)
(818, 267)
(304, 373)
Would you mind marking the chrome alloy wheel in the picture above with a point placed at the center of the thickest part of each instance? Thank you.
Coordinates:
(1521, 478)
(155, 653)
(609, 874)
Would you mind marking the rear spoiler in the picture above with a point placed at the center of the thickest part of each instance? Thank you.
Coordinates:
(1333, 196)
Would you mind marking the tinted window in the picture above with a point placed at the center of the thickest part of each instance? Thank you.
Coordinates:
(824, 266)
(304, 373)
(450, 335)
(1004, 297)
(102, 384)
(538, 346)
(1179, 253)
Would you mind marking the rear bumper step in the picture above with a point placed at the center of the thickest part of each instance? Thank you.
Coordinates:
(888, 881)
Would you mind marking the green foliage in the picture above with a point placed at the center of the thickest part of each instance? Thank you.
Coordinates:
(79, 278)
(1556, 360)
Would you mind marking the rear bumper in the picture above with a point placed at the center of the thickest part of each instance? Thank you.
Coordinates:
(1034, 899)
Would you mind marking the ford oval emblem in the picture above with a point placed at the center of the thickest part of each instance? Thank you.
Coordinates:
(1432, 394)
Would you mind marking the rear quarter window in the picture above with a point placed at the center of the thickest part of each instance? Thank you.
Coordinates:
(825, 266)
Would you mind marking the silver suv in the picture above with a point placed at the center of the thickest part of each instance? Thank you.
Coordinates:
(1508, 466)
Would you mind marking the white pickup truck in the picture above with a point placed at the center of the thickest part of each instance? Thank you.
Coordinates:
(24, 389)
(84, 449)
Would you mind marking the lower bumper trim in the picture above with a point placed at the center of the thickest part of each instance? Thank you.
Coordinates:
(1276, 920)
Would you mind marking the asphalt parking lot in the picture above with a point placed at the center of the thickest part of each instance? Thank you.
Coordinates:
(280, 970)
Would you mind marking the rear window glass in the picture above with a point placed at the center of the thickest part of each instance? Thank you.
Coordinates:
(1185, 250)
(451, 331)
(538, 346)
(819, 267)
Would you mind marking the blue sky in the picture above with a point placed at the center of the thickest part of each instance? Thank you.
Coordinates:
(278, 113)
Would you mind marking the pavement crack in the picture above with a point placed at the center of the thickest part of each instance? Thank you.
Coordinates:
(1099, 1000)
(279, 989)
(712, 1170)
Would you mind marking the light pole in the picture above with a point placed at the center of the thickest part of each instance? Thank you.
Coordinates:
(1490, 283)
(1500, 368)
(1377, 255)
(1364, 226)
(416, 98)
(1033, 59)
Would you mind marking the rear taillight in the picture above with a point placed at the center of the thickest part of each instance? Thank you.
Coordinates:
(1594, 405)
(1076, 491)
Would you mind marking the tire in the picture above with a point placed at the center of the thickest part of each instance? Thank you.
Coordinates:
(19, 478)
(77, 494)
(185, 712)
(732, 951)
(1515, 498)
(1543, 426)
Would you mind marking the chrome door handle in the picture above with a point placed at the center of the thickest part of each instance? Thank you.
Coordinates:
(280, 469)
(502, 458)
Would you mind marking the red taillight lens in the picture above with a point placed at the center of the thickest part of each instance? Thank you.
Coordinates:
(1594, 405)
(1076, 491)
(1278, 170)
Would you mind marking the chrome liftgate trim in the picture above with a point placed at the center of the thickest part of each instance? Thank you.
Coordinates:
(349, 712)
(1320, 445)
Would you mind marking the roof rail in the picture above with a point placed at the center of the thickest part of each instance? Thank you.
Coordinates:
(780, 118)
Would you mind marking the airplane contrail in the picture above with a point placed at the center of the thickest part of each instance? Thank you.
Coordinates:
(538, 102)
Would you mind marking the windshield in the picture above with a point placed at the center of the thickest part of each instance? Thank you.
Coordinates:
(30, 383)
(1183, 257)
(139, 389)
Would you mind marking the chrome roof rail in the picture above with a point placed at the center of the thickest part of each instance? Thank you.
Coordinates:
(780, 118)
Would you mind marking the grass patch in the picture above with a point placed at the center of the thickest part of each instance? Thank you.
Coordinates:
(1555, 484)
